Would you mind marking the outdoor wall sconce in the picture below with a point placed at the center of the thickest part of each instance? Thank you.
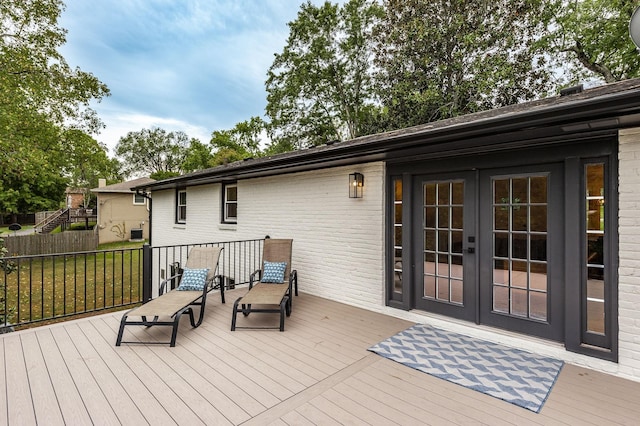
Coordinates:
(356, 185)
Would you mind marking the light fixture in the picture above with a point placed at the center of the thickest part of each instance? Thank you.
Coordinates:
(634, 27)
(356, 185)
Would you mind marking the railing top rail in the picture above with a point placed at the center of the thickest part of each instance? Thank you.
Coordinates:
(208, 243)
(33, 256)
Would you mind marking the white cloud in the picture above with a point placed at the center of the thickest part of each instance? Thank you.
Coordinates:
(190, 65)
(121, 122)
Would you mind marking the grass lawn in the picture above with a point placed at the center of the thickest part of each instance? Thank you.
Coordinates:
(54, 286)
(4, 230)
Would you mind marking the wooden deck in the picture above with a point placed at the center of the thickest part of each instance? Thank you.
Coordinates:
(317, 372)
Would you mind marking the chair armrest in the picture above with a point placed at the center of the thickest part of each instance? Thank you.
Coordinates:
(163, 284)
(252, 277)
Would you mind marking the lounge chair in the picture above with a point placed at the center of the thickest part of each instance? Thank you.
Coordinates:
(270, 288)
(167, 308)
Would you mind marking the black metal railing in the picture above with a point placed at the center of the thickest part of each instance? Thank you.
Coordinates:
(237, 261)
(35, 289)
(48, 287)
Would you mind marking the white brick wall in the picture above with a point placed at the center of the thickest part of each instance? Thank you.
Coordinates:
(338, 246)
(629, 271)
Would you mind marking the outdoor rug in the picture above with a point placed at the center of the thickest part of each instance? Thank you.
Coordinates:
(516, 376)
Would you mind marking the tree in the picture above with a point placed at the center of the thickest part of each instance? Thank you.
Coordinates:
(443, 58)
(152, 151)
(320, 87)
(40, 97)
(243, 141)
(591, 39)
(198, 157)
(88, 162)
(34, 75)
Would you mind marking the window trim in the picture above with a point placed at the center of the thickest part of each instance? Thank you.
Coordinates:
(225, 202)
(144, 199)
(607, 341)
(179, 219)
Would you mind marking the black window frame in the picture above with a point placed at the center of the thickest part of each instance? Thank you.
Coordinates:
(136, 196)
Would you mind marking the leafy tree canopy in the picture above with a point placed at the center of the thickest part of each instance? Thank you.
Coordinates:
(243, 141)
(151, 151)
(443, 58)
(34, 76)
(41, 97)
(88, 163)
(320, 87)
(591, 39)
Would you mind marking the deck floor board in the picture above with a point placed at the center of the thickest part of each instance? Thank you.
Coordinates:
(318, 371)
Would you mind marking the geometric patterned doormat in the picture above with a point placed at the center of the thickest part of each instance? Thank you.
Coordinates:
(514, 375)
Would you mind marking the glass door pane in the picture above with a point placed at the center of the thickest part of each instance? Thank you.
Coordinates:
(595, 265)
(443, 218)
(519, 258)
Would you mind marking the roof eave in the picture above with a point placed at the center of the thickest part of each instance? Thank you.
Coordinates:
(608, 109)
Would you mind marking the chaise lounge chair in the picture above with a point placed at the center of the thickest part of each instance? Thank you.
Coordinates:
(272, 291)
(197, 279)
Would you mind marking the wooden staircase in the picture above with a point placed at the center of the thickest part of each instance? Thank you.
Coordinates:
(60, 217)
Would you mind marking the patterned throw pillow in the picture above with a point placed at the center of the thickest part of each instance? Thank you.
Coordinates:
(273, 272)
(193, 279)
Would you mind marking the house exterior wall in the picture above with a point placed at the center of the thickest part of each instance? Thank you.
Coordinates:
(74, 200)
(629, 256)
(117, 216)
(338, 246)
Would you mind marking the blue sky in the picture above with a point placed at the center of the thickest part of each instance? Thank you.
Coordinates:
(190, 65)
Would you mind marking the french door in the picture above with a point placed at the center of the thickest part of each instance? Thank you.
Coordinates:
(488, 247)
(522, 250)
(445, 252)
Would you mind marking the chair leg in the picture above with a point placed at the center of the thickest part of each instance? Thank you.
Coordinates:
(176, 322)
(283, 308)
(246, 310)
(123, 322)
(235, 314)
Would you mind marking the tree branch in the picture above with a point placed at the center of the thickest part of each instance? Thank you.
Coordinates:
(589, 64)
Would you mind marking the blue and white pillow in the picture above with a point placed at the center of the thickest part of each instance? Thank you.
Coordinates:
(193, 279)
(273, 272)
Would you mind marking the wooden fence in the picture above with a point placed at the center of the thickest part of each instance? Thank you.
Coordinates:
(64, 242)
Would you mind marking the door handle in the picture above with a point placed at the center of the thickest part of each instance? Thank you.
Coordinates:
(470, 250)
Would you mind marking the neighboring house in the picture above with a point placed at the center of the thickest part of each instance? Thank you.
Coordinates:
(518, 225)
(122, 214)
(74, 198)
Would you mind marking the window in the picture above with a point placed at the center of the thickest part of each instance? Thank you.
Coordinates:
(397, 235)
(230, 203)
(181, 206)
(139, 199)
(596, 277)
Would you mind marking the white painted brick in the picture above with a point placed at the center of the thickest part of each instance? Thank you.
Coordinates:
(338, 246)
(629, 253)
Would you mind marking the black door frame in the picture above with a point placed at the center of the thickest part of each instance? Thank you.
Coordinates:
(469, 309)
(571, 152)
(553, 328)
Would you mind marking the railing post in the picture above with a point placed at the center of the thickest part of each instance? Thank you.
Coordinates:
(146, 273)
